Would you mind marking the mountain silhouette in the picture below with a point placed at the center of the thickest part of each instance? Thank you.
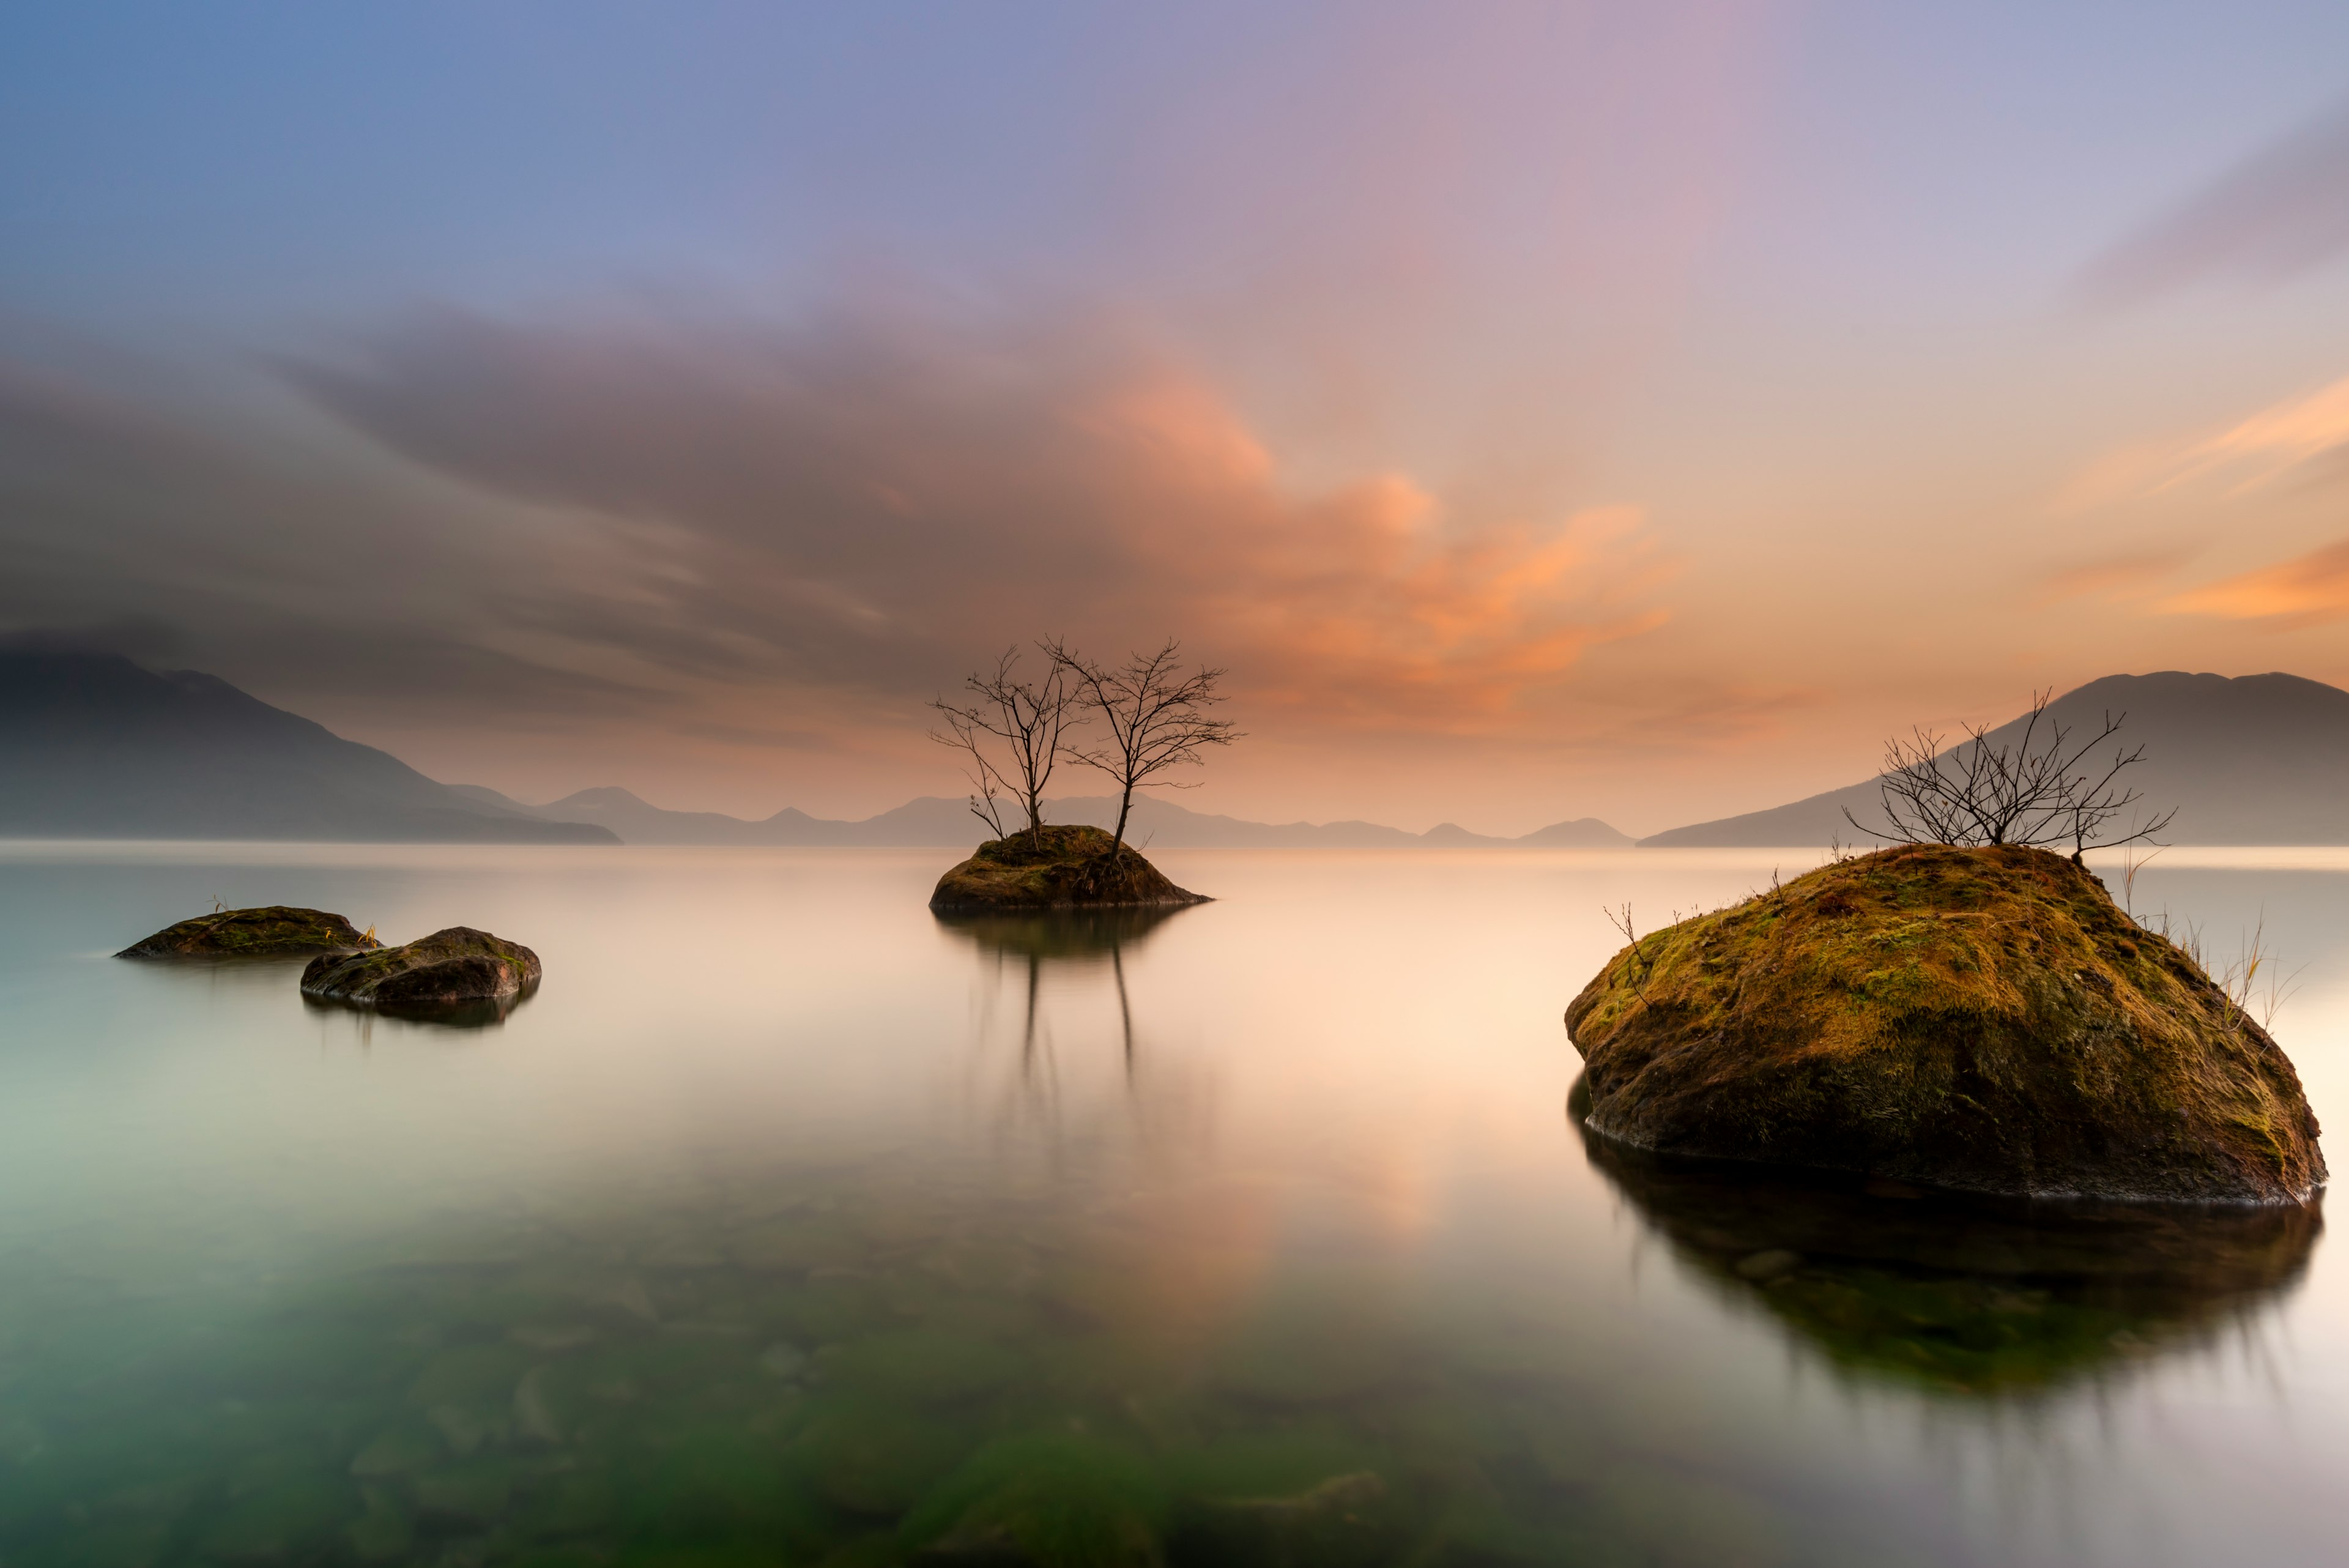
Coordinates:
(2255, 759)
(94, 747)
(937, 821)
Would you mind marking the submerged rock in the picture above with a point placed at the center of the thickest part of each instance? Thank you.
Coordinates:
(455, 968)
(271, 931)
(1043, 1500)
(1985, 1020)
(1056, 869)
(1344, 1520)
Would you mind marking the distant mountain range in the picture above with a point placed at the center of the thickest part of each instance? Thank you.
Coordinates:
(93, 746)
(934, 820)
(2257, 759)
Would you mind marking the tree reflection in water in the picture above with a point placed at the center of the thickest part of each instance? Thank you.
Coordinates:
(1066, 943)
(1965, 1295)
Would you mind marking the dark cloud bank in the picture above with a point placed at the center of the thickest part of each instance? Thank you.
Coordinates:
(766, 534)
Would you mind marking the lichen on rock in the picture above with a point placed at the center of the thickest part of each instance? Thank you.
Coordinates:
(273, 930)
(457, 967)
(1978, 1019)
(1057, 868)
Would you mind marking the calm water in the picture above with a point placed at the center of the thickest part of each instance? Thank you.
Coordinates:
(786, 1224)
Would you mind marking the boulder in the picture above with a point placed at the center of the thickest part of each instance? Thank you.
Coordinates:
(1056, 869)
(1980, 1018)
(273, 931)
(456, 968)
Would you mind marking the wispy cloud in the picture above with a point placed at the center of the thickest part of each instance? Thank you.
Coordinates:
(2302, 434)
(2307, 590)
(741, 529)
(2273, 439)
(868, 502)
(2278, 213)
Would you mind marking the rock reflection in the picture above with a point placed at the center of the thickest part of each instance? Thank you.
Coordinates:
(1965, 1295)
(487, 1014)
(1160, 1107)
(1072, 938)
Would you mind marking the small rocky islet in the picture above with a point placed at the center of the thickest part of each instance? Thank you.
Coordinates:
(274, 931)
(1056, 867)
(452, 968)
(1983, 1020)
(451, 971)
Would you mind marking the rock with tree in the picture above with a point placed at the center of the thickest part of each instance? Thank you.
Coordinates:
(1136, 722)
(1965, 1010)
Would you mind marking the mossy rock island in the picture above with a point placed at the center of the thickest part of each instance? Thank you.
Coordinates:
(1983, 1020)
(277, 931)
(457, 969)
(1056, 869)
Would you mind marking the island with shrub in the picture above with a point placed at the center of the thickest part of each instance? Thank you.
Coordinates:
(1964, 1009)
(1133, 721)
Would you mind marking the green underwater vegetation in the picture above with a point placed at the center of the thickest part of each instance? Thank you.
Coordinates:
(853, 1368)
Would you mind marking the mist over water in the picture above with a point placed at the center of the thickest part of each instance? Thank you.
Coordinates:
(787, 1220)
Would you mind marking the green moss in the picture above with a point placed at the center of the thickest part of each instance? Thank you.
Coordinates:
(1975, 1018)
(271, 931)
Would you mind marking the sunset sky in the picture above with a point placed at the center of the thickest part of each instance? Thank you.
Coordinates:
(1543, 410)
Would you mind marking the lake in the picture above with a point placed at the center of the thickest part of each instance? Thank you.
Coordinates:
(789, 1224)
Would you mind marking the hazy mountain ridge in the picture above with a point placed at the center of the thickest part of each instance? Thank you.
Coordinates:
(935, 820)
(92, 745)
(2250, 759)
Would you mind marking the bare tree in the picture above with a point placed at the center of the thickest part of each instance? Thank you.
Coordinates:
(2039, 790)
(1022, 722)
(1155, 715)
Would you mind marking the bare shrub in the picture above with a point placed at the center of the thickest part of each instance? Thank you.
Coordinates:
(1013, 731)
(1155, 717)
(2041, 789)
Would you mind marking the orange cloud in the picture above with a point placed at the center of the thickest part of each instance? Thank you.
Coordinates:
(868, 506)
(2308, 590)
(2248, 454)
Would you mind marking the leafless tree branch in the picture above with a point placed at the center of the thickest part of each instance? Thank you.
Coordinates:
(1013, 732)
(1155, 717)
(2040, 789)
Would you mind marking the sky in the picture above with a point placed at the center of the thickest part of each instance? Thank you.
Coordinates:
(1538, 410)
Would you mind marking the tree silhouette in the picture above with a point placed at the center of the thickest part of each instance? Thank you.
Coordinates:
(1154, 715)
(1013, 731)
(2040, 789)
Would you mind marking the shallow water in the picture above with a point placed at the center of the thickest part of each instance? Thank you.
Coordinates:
(786, 1223)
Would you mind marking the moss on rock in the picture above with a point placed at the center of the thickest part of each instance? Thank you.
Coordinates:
(1056, 869)
(457, 967)
(1984, 1019)
(271, 932)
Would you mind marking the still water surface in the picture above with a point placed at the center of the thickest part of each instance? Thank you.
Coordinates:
(788, 1224)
